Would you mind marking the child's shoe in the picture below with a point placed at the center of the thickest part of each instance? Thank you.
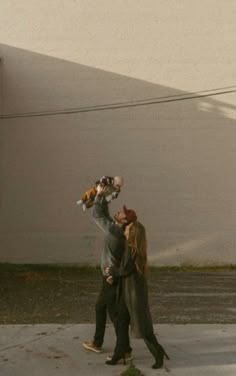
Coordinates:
(81, 202)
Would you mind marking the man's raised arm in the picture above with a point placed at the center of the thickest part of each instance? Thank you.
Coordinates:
(100, 211)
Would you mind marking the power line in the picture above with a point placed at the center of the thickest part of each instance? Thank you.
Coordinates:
(128, 104)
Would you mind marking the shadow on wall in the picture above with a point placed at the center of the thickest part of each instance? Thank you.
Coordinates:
(177, 158)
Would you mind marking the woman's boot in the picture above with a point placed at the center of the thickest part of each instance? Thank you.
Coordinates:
(160, 359)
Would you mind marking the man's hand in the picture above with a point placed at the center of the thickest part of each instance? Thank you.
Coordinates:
(101, 190)
(107, 270)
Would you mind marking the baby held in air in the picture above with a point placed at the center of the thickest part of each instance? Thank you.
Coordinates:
(114, 185)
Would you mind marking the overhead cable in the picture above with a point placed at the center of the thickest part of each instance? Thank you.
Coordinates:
(128, 104)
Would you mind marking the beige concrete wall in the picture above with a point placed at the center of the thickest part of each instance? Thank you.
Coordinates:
(178, 158)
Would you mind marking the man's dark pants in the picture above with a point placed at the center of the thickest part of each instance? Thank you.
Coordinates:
(107, 302)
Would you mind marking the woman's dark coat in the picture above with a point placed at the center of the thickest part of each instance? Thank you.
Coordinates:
(133, 286)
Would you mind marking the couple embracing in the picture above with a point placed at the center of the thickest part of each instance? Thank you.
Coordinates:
(124, 291)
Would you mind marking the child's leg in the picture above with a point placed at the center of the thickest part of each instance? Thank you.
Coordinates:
(87, 198)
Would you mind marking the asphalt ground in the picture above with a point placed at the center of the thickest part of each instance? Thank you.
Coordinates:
(41, 294)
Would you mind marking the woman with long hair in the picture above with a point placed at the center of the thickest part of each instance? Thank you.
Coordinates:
(133, 297)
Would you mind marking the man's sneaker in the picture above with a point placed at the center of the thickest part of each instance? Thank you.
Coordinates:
(128, 357)
(90, 346)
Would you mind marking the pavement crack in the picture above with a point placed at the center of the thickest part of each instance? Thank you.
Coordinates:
(37, 339)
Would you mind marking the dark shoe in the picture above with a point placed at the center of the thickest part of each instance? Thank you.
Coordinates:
(90, 346)
(128, 357)
(115, 360)
(160, 360)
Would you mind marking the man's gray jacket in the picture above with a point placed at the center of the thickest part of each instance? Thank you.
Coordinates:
(114, 241)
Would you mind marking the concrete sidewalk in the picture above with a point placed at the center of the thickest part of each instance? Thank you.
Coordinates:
(50, 350)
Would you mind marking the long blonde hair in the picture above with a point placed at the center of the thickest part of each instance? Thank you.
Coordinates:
(137, 241)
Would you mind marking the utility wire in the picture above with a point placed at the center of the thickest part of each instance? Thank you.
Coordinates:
(128, 104)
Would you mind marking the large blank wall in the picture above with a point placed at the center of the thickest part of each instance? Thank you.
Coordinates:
(177, 158)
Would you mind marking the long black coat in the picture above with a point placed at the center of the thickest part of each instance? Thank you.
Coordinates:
(133, 286)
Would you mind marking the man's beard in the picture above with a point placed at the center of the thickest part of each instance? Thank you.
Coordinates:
(116, 217)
